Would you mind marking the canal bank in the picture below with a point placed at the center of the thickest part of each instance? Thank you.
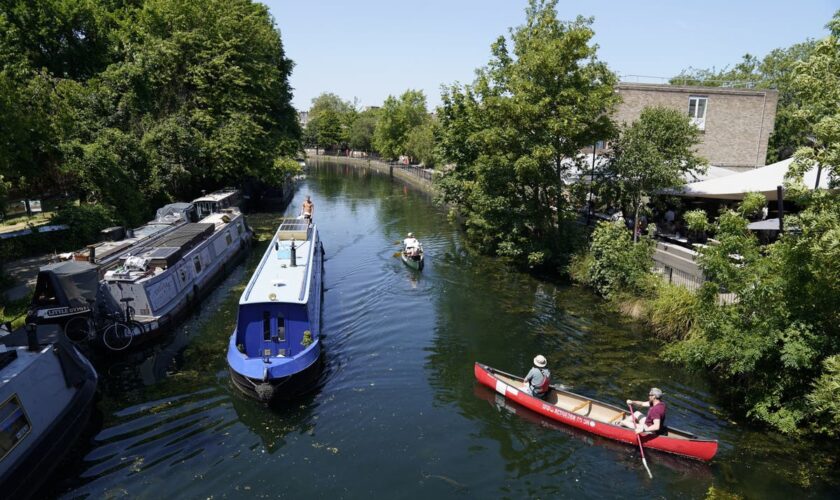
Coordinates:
(398, 412)
(417, 177)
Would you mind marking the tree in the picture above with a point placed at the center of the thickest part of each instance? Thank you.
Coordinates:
(816, 85)
(776, 350)
(362, 130)
(513, 134)
(420, 143)
(396, 119)
(330, 120)
(651, 154)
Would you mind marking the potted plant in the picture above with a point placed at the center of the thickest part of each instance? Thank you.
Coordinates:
(697, 223)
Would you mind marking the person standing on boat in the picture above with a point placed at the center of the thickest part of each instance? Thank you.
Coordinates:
(308, 209)
(655, 419)
(538, 380)
(411, 245)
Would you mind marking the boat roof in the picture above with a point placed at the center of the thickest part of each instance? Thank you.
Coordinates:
(217, 195)
(275, 280)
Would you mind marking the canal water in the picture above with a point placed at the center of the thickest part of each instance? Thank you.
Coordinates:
(397, 412)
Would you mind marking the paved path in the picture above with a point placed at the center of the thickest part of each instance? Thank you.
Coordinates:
(24, 272)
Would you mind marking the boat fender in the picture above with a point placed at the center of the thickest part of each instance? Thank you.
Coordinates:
(265, 391)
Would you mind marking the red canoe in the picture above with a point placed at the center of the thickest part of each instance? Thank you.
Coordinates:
(593, 416)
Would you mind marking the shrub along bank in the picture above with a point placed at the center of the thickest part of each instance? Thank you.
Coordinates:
(775, 352)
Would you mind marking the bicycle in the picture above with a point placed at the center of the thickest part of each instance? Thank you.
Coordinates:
(117, 330)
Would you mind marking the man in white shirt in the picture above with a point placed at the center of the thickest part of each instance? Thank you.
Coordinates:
(411, 245)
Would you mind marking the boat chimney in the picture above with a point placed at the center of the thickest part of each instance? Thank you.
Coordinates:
(92, 254)
(32, 337)
(294, 254)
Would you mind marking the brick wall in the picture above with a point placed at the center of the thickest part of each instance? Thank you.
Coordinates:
(738, 122)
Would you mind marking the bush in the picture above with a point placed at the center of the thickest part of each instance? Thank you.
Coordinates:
(85, 221)
(672, 310)
(617, 264)
(696, 220)
(752, 204)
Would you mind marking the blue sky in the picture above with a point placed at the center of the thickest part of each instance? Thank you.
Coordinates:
(369, 49)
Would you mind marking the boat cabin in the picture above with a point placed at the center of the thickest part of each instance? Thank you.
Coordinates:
(217, 201)
(278, 317)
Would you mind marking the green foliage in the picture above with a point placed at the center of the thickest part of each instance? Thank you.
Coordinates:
(397, 118)
(696, 220)
(825, 397)
(509, 134)
(774, 349)
(86, 222)
(362, 130)
(136, 103)
(330, 121)
(616, 265)
(651, 154)
(672, 310)
(817, 87)
(420, 143)
(306, 341)
(752, 205)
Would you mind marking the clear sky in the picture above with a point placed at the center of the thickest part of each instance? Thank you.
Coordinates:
(369, 49)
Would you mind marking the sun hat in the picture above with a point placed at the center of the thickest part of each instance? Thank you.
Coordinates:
(540, 361)
(656, 392)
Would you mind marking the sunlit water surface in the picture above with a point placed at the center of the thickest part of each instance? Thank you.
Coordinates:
(397, 413)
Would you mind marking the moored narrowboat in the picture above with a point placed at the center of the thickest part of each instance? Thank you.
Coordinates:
(47, 392)
(275, 351)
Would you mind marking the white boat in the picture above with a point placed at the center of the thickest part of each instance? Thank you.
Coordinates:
(162, 279)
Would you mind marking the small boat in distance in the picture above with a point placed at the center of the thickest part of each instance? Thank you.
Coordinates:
(593, 416)
(412, 253)
(275, 351)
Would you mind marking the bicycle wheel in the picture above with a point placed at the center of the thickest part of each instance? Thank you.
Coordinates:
(78, 329)
(117, 336)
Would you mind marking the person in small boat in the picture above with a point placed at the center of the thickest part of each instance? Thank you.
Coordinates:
(308, 209)
(655, 419)
(411, 245)
(538, 380)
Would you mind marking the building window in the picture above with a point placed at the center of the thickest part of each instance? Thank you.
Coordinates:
(697, 111)
(600, 145)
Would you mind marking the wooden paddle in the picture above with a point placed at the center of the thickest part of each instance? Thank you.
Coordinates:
(639, 440)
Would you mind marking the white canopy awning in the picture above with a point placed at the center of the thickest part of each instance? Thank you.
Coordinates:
(763, 180)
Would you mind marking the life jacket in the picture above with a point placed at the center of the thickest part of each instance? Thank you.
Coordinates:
(545, 386)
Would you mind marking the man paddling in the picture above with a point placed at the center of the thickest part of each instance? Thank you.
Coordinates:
(655, 419)
(538, 380)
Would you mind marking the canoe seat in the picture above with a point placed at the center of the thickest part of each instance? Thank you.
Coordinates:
(618, 418)
(581, 406)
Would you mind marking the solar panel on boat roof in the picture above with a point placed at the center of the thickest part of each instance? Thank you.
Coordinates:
(294, 225)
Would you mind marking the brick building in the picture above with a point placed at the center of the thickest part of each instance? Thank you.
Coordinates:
(736, 123)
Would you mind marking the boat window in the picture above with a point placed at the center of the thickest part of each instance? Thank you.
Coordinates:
(14, 425)
(281, 329)
(197, 262)
(228, 238)
(239, 227)
(266, 326)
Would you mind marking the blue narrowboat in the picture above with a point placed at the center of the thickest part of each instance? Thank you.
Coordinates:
(275, 351)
